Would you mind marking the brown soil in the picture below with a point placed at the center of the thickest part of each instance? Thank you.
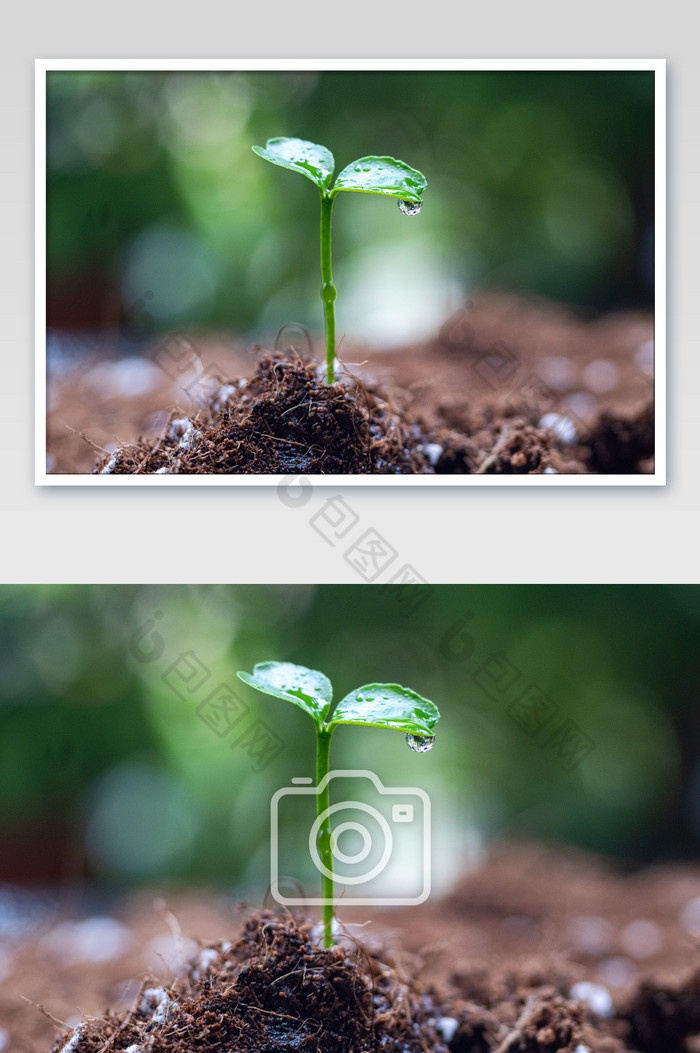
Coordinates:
(286, 419)
(508, 387)
(275, 989)
(536, 951)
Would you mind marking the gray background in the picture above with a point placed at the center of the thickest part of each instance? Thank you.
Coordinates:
(249, 534)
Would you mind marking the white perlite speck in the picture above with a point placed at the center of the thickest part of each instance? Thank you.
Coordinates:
(190, 438)
(595, 996)
(183, 428)
(222, 396)
(151, 999)
(205, 960)
(158, 1001)
(447, 1025)
(433, 451)
(73, 1043)
(111, 464)
(562, 426)
(342, 934)
(178, 427)
(318, 932)
(165, 1011)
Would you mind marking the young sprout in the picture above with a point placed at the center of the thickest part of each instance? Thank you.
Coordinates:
(370, 175)
(375, 705)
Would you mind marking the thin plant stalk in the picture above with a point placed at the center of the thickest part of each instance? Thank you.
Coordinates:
(328, 289)
(372, 705)
(323, 746)
(371, 175)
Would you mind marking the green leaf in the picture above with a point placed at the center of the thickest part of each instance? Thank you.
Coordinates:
(312, 160)
(306, 688)
(387, 706)
(382, 175)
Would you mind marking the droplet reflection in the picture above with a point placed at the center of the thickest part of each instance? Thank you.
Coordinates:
(410, 208)
(420, 743)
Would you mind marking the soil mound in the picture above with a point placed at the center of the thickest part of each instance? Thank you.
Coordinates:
(277, 991)
(285, 419)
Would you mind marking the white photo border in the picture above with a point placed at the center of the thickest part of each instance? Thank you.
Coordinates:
(657, 66)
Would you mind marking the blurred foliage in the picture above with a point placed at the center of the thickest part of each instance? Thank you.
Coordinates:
(107, 741)
(160, 215)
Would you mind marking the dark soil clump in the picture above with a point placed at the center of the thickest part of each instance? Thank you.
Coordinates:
(285, 419)
(662, 1017)
(620, 445)
(274, 991)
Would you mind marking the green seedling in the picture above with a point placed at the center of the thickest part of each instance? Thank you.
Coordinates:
(374, 705)
(370, 175)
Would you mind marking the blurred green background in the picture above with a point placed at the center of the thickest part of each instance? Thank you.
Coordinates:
(160, 216)
(109, 770)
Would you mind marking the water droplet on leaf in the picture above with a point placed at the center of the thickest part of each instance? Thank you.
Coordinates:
(420, 743)
(410, 208)
(328, 292)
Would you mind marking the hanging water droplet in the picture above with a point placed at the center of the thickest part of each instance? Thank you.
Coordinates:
(420, 743)
(410, 208)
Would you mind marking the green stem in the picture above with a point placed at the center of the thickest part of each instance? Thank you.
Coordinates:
(328, 290)
(323, 747)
